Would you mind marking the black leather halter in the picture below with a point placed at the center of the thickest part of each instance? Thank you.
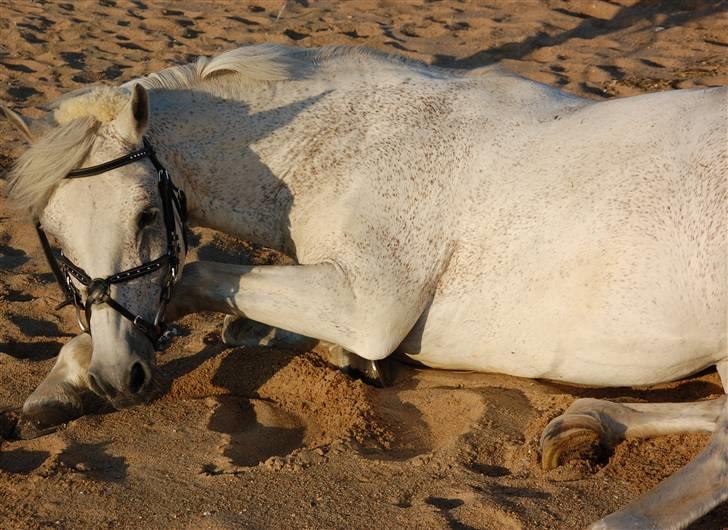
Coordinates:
(98, 290)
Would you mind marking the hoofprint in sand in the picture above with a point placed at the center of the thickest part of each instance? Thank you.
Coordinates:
(445, 507)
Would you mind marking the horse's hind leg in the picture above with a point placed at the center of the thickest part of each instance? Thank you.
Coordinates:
(685, 496)
(58, 398)
(589, 421)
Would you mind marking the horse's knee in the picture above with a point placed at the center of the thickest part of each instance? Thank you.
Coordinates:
(373, 343)
(371, 348)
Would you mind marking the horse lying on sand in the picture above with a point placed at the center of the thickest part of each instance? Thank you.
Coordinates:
(472, 220)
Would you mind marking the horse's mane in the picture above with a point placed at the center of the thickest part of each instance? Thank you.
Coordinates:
(253, 63)
(74, 118)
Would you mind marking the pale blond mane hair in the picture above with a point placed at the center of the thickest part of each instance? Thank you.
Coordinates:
(37, 172)
(74, 119)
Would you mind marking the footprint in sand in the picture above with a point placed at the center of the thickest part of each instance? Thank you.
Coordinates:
(18, 68)
(469, 509)
(95, 460)
(295, 35)
(35, 327)
(53, 453)
(20, 461)
(14, 295)
(35, 351)
(255, 430)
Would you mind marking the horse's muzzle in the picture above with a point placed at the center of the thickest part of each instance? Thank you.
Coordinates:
(131, 387)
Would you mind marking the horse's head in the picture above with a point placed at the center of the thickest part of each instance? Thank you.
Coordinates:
(112, 221)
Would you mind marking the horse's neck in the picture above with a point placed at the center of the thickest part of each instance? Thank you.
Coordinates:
(218, 151)
(243, 153)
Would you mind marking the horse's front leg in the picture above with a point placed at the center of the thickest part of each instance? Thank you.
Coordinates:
(58, 398)
(317, 301)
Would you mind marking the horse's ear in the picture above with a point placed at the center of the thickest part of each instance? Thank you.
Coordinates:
(19, 122)
(132, 121)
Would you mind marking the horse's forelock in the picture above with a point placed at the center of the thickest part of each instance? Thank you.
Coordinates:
(42, 167)
(101, 103)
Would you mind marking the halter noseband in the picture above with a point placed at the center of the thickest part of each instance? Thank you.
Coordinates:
(98, 290)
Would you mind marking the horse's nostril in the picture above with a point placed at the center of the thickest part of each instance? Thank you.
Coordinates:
(136, 378)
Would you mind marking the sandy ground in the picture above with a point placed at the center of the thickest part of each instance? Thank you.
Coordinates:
(265, 438)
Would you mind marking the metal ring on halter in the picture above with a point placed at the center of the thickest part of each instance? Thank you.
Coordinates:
(77, 306)
(84, 327)
(160, 314)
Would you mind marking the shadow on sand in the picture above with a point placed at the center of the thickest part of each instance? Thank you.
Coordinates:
(672, 13)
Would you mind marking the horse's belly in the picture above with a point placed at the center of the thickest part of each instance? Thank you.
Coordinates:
(442, 341)
(608, 323)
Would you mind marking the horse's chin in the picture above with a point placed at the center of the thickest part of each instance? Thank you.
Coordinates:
(127, 402)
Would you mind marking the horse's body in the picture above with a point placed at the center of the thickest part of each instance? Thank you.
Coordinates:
(589, 245)
(527, 232)
(480, 222)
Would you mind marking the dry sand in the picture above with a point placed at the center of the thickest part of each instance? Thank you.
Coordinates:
(263, 438)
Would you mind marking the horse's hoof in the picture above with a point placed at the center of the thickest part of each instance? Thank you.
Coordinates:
(45, 419)
(240, 331)
(374, 373)
(570, 436)
(237, 331)
(377, 373)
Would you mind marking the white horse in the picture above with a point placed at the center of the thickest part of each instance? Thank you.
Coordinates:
(473, 221)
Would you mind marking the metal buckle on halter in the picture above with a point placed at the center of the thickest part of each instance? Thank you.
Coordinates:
(165, 338)
(141, 324)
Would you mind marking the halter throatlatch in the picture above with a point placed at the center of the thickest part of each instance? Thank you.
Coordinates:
(98, 290)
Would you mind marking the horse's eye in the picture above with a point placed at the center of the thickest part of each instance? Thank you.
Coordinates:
(147, 218)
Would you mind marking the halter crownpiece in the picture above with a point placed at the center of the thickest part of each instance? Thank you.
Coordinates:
(98, 290)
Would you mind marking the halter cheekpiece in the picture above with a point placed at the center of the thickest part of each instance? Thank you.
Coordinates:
(98, 290)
